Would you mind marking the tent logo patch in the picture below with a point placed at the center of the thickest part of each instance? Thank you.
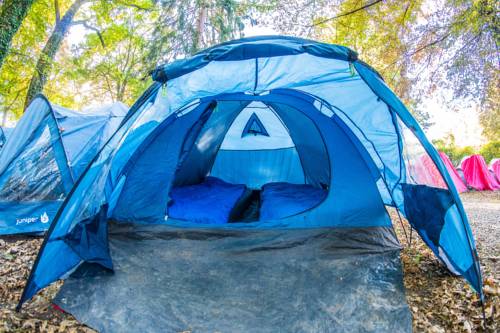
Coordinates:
(44, 218)
(26, 220)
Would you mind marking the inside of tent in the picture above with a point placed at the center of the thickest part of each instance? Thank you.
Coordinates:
(251, 170)
(241, 158)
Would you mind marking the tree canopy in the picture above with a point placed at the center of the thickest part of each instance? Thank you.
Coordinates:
(418, 46)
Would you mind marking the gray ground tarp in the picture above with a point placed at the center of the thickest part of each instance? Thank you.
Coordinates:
(172, 280)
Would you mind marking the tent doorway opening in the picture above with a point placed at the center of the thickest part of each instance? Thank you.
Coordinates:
(248, 160)
(278, 158)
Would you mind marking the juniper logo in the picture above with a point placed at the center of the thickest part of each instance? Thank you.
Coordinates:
(44, 218)
(26, 220)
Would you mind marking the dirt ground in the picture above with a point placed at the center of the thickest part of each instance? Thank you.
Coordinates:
(439, 302)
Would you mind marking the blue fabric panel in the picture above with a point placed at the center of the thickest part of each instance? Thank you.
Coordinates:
(452, 239)
(58, 259)
(7, 131)
(115, 195)
(60, 154)
(151, 170)
(308, 141)
(27, 217)
(3, 137)
(427, 219)
(35, 173)
(385, 93)
(36, 112)
(436, 222)
(368, 117)
(258, 167)
(353, 198)
(210, 202)
(249, 48)
(198, 161)
(83, 135)
(279, 200)
(89, 240)
(132, 141)
(254, 127)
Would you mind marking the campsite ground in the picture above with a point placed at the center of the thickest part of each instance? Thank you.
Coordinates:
(438, 301)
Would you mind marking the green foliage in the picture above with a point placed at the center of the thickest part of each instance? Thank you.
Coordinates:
(447, 145)
(18, 66)
(111, 59)
(378, 33)
(490, 151)
(490, 113)
(455, 153)
(415, 46)
(184, 27)
(12, 14)
(124, 41)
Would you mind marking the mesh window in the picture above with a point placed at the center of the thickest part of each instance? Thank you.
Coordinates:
(420, 169)
(34, 174)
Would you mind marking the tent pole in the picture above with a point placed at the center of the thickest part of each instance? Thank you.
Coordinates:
(408, 240)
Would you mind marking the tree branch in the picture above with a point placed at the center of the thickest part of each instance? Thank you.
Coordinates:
(136, 6)
(58, 12)
(368, 5)
(89, 27)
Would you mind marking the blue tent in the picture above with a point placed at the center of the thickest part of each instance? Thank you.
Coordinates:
(310, 133)
(44, 156)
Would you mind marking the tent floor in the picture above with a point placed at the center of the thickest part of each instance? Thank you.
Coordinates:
(174, 280)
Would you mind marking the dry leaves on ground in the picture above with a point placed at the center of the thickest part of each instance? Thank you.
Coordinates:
(439, 302)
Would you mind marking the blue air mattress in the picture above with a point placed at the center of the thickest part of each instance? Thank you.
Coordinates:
(284, 199)
(210, 202)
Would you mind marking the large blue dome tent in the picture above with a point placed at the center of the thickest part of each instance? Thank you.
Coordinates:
(44, 156)
(254, 147)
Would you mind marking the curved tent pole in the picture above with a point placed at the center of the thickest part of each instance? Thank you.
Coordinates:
(64, 153)
(32, 133)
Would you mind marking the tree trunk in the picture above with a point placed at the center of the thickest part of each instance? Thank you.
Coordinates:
(4, 118)
(44, 63)
(200, 27)
(12, 15)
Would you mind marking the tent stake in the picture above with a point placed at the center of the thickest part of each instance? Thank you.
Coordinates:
(484, 312)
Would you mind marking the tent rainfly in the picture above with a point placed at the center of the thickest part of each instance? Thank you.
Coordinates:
(250, 155)
(495, 168)
(455, 176)
(46, 153)
(477, 175)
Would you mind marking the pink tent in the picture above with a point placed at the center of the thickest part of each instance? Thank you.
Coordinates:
(459, 184)
(477, 175)
(495, 167)
(425, 172)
